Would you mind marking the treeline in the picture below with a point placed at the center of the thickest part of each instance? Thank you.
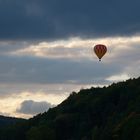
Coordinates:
(108, 113)
(6, 121)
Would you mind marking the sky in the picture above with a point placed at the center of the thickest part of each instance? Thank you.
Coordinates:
(46, 50)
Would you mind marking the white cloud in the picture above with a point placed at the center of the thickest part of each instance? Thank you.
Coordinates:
(51, 70)
(11, 105)
(32, 107)
(77, 48)
(72, 48)
(116, 78)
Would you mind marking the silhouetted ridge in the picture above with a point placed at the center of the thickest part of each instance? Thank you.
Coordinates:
(108, 113)
(5, 121)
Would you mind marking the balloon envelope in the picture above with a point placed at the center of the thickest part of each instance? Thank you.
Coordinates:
(100, 50)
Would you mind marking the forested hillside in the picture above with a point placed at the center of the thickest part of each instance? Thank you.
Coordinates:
(6, 121)
(108, 113)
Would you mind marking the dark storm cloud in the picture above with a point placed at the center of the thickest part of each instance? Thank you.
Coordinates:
(51, 19)
(33, 107)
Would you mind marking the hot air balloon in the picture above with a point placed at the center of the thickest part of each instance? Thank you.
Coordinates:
(100, 50)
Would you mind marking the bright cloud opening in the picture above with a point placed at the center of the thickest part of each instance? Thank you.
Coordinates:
(49, 71)
(117, 78)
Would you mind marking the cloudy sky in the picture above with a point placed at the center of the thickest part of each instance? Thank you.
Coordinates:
(46, 49)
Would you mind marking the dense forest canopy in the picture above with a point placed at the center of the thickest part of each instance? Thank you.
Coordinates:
(108, 113)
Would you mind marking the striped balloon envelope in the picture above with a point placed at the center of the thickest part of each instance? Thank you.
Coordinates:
(100, 50)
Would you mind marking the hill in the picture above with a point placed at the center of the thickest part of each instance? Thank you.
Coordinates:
(108, 113)
(7, 121)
